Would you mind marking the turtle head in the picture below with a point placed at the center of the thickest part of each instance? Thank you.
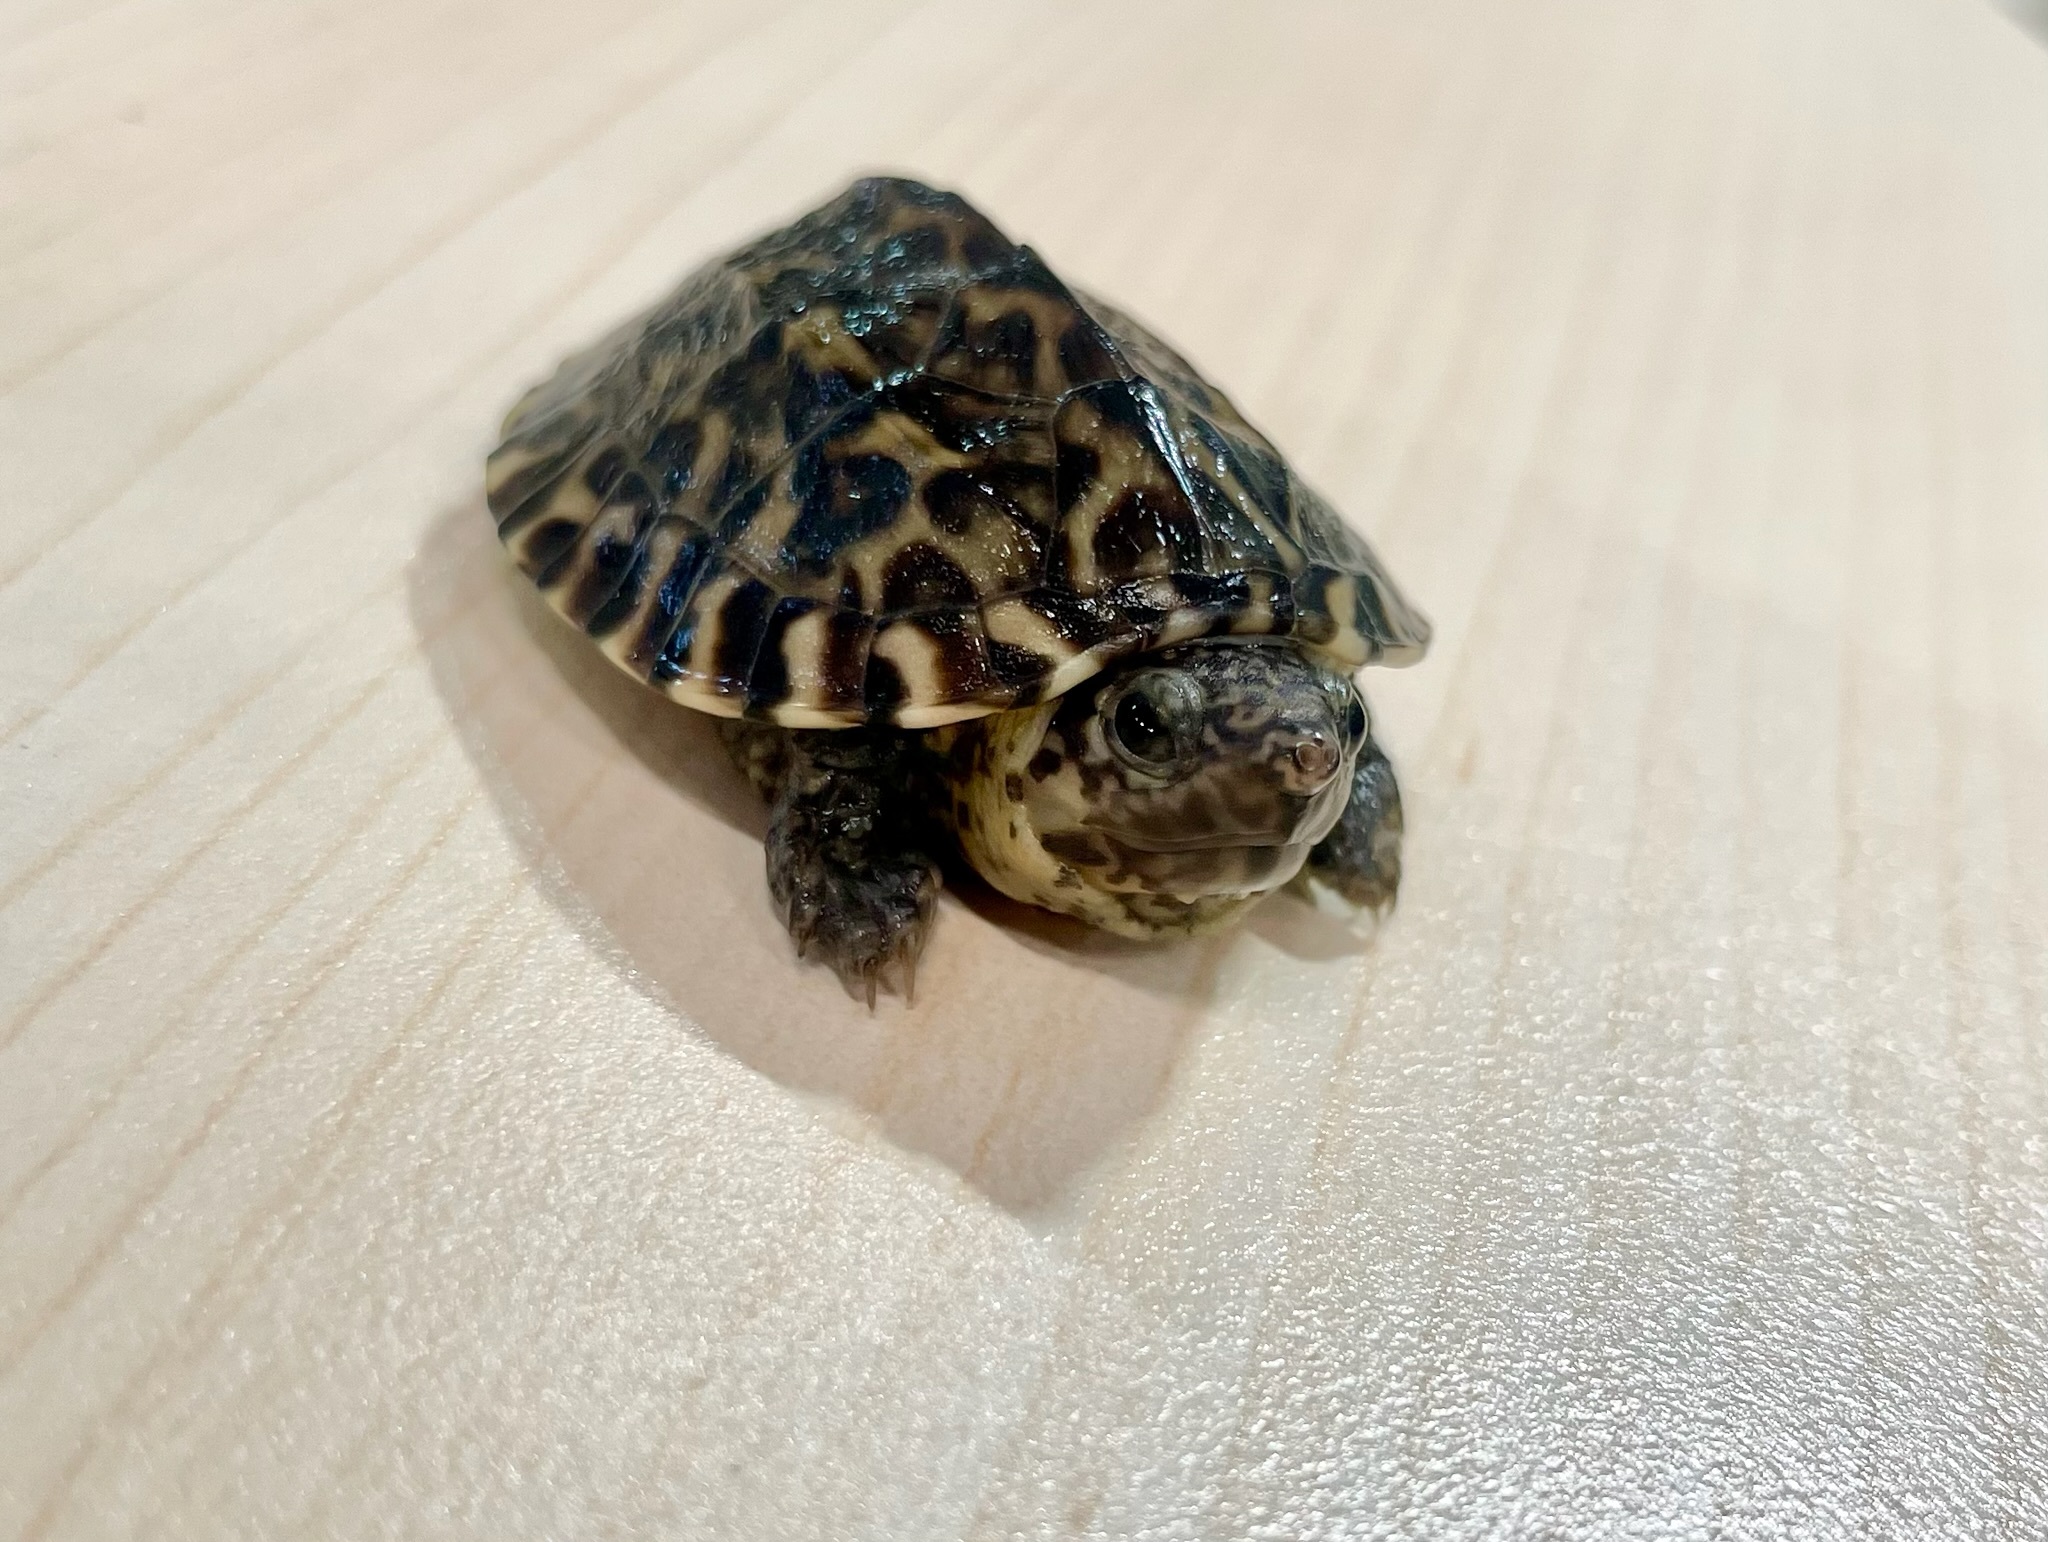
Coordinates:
(1171, 790)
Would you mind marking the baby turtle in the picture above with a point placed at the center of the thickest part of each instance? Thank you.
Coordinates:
(969, 562)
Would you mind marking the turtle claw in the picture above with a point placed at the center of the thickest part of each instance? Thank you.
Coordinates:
(868, 922)
(867, 975)
(867, 978)
(1373, 893)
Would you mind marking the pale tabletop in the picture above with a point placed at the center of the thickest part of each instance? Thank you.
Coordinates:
(413, 1122)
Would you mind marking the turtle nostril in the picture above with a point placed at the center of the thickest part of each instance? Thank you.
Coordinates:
(1315, 757)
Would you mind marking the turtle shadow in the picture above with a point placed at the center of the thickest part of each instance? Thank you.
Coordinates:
(1033, 1046)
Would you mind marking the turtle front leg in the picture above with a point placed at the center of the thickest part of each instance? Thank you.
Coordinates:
(1361, 857)
(853, 853)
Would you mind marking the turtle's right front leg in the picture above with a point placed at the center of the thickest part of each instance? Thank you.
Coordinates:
(853, 852)
(1361, 857)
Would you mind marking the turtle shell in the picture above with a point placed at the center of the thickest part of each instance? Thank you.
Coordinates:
(883, 466)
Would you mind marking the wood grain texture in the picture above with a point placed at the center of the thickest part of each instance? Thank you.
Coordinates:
(411, 1121)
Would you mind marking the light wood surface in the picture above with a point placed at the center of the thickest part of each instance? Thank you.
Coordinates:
(412, 1122)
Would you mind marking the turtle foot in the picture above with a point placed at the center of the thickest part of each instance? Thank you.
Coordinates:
(850, 863)
(1361, 858)
(868, 922)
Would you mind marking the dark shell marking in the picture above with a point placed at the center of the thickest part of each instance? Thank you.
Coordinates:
(882, 465)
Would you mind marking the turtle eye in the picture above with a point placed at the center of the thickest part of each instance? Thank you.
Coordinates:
(1140, 731)
(1347, 706)
(1148, 726)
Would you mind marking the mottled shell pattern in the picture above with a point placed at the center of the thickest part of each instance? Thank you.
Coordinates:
(883, 466)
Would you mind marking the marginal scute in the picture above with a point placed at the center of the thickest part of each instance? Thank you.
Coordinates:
(936, 667)
(811, 665)
(884, 465)
(670, 555)
(546, 548)
(743, 616)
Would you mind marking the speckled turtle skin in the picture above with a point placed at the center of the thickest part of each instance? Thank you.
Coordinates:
(882, 470)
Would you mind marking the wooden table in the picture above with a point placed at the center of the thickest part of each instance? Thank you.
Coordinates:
(412, 1122)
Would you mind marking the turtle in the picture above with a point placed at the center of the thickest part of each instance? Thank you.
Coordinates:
(972, 568)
